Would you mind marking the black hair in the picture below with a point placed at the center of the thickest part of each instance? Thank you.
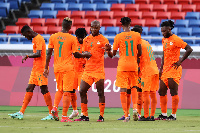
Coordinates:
(169, 23)
(125, 21)
(137, 28)
(25, 28)
(67, 22)
(81, 33)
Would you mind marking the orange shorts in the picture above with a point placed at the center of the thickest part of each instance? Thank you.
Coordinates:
(65, 80)
(150, 83)
(90, 78)
(37, 78)
(126, 79)
(77, 79)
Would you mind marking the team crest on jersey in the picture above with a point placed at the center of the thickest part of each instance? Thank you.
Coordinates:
(171, 43)
(98, 42)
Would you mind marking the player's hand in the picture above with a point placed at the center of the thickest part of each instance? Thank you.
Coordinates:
(107, 47)
(87, 55)
(24, 59)
(46, 72)
(176, 65)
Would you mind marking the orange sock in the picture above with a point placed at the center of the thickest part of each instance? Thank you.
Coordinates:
(66, 102)
(48, 101)
(123, 97)
(58, 97)
(153, 102)
(128, 102)
(146, 103)
(73, 101)
(134, 95)
(84, 109)
(139, 102)
(175, 100)
(102, 108)
(163, 103)
(26, 101)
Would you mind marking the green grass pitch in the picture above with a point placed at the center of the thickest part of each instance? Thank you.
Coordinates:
(188, 120)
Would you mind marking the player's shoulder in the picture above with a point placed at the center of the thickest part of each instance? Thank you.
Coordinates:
(136, 34)
(40, 37)
(175, 37)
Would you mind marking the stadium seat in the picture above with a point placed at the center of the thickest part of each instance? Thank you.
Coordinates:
(149, 40)
(155, 1)
(146, 7)
(184, 2)
(154, 31)
(132, 7)
(174, 8)
(194, 23)
(71, 1)
(159, 8)
(119, 14)
(99, 1)
(128, 1)
(90, 20)
(152, 23)
(61, 6)
(75, 7)
(169, 2)
(25, 41)
(4, 9)
(175, 30)
(163, 15)
(197, 42)
(14, 38)
(53, 30)
(178, 15)
(13, 4)
(63, 14)
(40, 29)
(72, 30)
(189, 41)
(78, 14)
(135, 15)
(149, 15)
(85, 1)
(198, 8)
(166, 20)
(58, 1)
(102, 30)
(112, 31)
(103, 7)
(142, 1)
(109, 22)
(192, 15)
(92, 15)
(35, 14)
(11, 29)
(196, 32)
(184, 32)
(111, 40)
(87, 30)
(182, 23)
(49, 14)
(47, 6)
(118, 23)
(113, 1)
(52, 22)
(37, 22)
(23, 21)
(195, 2)
(89, 7)
(80, 22)
(140, 22)
(145, 30)
(156, 41)
(106, 15)
(117, 7)
(20, 27)
(188, 8)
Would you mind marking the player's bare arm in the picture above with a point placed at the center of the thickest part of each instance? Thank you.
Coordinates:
(34, 55)
(139, 48)
(49, 53)
(107, 48)
(82, 55)
(162, 63)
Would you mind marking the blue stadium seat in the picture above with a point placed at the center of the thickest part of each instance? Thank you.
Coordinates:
(61, 6)
(112, 31)
(71, 1)
(4, 9)
(194, 23)
(145, 30)
(113, 1)
(47, 6)
(49, 14)
(166, 20)
(26, 0)
(89, 7)
(75, 7)
(189, 41)
(85, 1)
(184, 32)
(192, 15)
(103, 7)
(196, 32)
(102, 30)
(182, 23)
(128, 1)
(197, 42)
(175, 30)
(111, 40)
(156, 41)
(99, 1)
(15, 38)
(16, 42)
(14, 4)
(143, 36)
(35, 14)
(57, 1)
(25, 41)
(153, 31)
(3, 39)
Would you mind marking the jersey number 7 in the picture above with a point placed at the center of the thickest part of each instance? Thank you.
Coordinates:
(60, 48)
(126, 42)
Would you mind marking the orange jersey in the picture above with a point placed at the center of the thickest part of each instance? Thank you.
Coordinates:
(148, 64)
(171, 48)
(127, 43)
(64, 45)
(94, 46)
(39, 44)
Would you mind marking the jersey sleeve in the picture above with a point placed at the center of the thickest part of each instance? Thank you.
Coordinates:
(39, 42)
(116, 43)
(74, 45)
(180, 43)
(51, 44)
(139, 40)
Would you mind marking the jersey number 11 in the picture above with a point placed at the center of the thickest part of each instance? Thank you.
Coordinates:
(126, 42)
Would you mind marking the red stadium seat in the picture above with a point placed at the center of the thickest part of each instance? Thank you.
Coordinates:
(11, 30)
(118, 23)
(140, 22)
(117, 7)
(52, 22)
(72, 30)
(109, 22)
(90, 20)
(92, 15)
(135, 15)
(119, 14)
(132, 7)
(106, 15)
(149, 15)
(87, 30)
(184, 2)
(156, 1)
(152, 23)
(178, 15)
(40, 29)
(23, 21)
(174, 8)
(20, 27)
(188, 8)
(146, 7)
(169, 1)
(163, 15)
(159, 8)
(80, 22)
(78, 14)
(195, 2)
(38, 22)
(53, 30)
(142, 1)
(63, 14)
(198, 8)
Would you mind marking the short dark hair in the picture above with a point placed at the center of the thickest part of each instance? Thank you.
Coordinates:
(169, 23)
(81, 32)
(25, 28)
(66, 22)
(136, 28)
(125, 21)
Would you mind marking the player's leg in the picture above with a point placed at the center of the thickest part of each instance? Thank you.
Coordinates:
(139, 101)
(75, 112)
(129, 100)
(134, 95)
